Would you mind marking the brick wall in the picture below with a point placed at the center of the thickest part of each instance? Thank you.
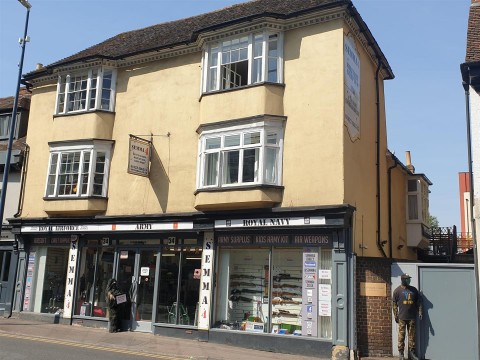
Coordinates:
(374, 313)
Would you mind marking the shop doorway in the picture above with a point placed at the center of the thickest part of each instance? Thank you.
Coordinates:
(136, 278)
(7, 261)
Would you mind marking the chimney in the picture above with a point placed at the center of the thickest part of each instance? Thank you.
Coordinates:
(39, 66)
(409, 163)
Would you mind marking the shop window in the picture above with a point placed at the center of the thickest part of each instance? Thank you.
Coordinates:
(247, 288)
(243, 290)
(96, 268)
(179, 286)
(50, 278)
(5, 258)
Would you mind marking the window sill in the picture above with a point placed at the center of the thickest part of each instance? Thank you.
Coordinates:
(214, 92)
(237, 198)
(75, 206)
(83, 112)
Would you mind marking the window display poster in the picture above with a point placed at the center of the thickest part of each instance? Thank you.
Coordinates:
(28, 285)
(206, 282)
(325, 292)
(309, 292)
(72, 265)
(324, 308)
(324, 274)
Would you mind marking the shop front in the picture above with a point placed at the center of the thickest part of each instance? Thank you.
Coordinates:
(156, 265)
(276, 282)
(8, 267)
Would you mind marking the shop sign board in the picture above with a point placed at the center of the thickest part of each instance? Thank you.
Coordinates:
(139, 156)
(271, 222)
(319, 240)
(309, 292)
(69, 286)
(352, 87)
(206, 282)
(134, 227)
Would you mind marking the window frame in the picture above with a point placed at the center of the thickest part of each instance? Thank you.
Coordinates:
(251, 57)
(93, 148)
(265, 128)
(95, 78)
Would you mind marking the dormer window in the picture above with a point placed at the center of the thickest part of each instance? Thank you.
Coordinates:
(86, 91)
(244, 60)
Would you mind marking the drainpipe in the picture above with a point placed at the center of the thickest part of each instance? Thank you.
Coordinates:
(390, 236)
(22, 181)
(377, 90)
(466, 86)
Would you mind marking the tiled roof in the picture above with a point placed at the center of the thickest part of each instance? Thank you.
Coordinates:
(18, 144)
(23, 101)
(185, 31)
(473, 34)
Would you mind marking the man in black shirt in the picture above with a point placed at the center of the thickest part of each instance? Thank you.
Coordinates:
(406, 304)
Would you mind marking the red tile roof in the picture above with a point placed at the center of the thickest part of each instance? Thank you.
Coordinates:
(23, 101)
(473, 34)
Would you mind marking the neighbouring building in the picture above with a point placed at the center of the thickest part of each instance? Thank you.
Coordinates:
(8, 254)
(470, 70)
(231, 171)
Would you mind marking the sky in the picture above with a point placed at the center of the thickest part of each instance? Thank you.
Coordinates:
(423, 40)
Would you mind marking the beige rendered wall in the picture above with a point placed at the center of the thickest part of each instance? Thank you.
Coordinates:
(360, 164)
(399, 216)
(313, 103)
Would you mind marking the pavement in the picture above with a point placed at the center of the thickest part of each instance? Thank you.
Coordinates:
(137, 343)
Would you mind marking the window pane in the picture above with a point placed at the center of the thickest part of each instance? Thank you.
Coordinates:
(412, 185)
(68, 175)
(251, 138)
(287, 291)
(212, 143)
(52, 175)
(53, 290)
(230, 168)
(5, 125)
(232, 140)
(272, 70)
(213, 56)
(211, 173)
(271, 165)
(99, 176)
(257, 71)
(412, 207)
(272, 138)
(243, 285)
(167, 290)
(250, 165)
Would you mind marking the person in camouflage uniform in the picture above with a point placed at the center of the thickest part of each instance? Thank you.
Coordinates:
(407, 304)
(114, 312)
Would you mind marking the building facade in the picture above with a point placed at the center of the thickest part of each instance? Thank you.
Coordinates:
(8, 254)
(470, 70)
(227, 169)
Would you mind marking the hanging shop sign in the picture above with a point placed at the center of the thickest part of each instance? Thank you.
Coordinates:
(270, 222)
(206, 282)
(135, 227)
(319, 240)
(352, 87)
(139, 156)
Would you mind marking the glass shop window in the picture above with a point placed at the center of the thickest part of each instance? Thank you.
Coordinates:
(51, 275)
(243, 290)
(96, 268)
(287, 292)
(179, 284)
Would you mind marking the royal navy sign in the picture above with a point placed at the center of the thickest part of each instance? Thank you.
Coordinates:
(270, 222)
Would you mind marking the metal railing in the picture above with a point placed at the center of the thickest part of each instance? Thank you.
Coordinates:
(464, 243)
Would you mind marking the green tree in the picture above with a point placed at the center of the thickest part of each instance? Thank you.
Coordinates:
(432, 221)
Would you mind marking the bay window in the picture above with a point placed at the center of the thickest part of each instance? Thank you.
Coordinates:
(78, 170)
(86, 91)
(241, 156)
(241, 61)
